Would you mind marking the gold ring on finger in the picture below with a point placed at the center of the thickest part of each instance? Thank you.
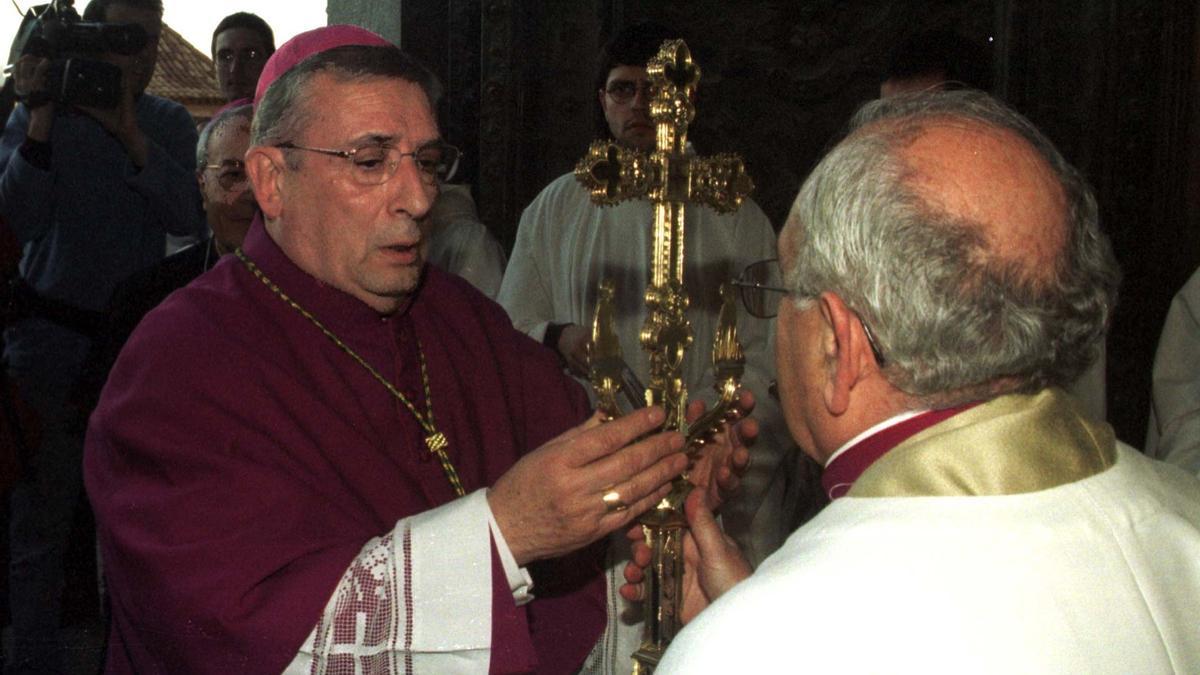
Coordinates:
(612, 502)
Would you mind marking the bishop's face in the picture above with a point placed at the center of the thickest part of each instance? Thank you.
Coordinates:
(625, 101)
(364, 239)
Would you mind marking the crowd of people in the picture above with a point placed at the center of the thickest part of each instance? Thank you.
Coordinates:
(343, 432)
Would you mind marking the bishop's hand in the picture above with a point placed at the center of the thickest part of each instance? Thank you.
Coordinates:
(589, 481)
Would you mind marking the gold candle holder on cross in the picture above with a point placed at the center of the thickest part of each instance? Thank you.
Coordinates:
(670, 177)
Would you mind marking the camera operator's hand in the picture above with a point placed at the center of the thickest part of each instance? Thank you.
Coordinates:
(122, 120)
(29, 76)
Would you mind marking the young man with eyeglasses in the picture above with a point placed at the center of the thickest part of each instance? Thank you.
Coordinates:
(91, 194)
(241, 44)
(565, 245)
(325, 454)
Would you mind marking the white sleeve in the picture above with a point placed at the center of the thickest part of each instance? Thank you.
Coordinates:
(525, 291)
(418, 598)
(1174, 434)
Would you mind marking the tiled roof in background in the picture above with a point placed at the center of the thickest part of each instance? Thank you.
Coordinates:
(184, 73)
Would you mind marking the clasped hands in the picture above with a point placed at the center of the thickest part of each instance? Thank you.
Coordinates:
(552, 501)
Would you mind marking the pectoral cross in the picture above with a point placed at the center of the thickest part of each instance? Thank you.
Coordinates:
(669, 177)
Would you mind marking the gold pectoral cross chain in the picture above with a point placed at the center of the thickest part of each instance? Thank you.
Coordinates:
(434, 439)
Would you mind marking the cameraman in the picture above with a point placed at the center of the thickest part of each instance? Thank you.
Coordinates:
(90, 194)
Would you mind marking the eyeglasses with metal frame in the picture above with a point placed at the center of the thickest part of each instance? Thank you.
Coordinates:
(376, 163)
(232, 173)
(623, 91)
(762, 289)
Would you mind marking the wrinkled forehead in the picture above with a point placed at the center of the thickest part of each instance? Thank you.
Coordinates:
(366, 108)
(230, 140)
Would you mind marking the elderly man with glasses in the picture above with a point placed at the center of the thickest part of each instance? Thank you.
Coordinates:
(565, 246)
(945, 276)
(327, 456)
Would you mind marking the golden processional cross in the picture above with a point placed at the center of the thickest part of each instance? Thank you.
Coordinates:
(671, 178)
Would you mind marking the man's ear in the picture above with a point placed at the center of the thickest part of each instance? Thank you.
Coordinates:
(847, 353)
(264, 166)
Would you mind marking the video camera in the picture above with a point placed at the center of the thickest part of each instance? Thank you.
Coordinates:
(55, 31)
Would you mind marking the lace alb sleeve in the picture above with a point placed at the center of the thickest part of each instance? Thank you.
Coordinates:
(418, 599)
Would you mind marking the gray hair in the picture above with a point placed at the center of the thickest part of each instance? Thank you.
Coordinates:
(226, 116)
(953, 321)
(282, 113)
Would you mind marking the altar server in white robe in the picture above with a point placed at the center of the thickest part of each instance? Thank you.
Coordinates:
(945, 275)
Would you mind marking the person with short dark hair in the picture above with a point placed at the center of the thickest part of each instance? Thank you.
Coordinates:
(626, 53)
(91, 194)
(945, 277)
(241, 44)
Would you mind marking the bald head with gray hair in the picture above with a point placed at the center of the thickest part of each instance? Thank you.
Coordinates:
(242, 112)
(968, 292)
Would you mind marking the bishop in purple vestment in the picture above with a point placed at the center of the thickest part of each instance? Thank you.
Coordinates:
(326, 456)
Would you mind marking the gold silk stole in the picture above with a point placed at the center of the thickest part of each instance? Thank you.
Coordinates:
(1010, 445)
